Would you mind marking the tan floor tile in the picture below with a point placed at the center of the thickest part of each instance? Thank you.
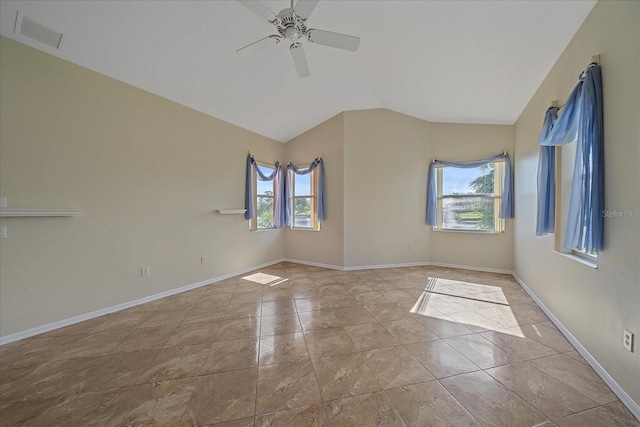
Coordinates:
(340, 301)
(153, 404)
(543, 392)
(576, 356)
(193, 333)
(283, 348)
(481, 351)
(244, 422)
(550, 337)
(164, 318)
(286, 386)
(386, 312)
(370, 298)
(596, 417)
(371, 335)
(522, 347)
(440, 359)
(279, 324)
(304, 305)
(395, 367)
(429, 404)
(249, 296)
(276, 294)
(397, 295)
(477, 322)
(443, 326)
(237, 329)
(272, 308)
(620, 410)
(319, 320)
(576, 375)
(326, 342)
(242, 310)
(177, 362)
(86, 409)
(146, 338)
(530, 312)
(37, 350)
(231, 355)
(205, 314)
(408, 331)
(354, 316)
(490, 402)
(91, 345)
(344, 375)
(118, 370)
(121, 321)
(365, 410)
(222, 397)
(304, 416)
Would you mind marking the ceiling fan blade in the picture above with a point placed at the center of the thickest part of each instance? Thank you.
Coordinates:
(259, 45)
(259, 9)
(327, 38)
(304, 8)
(300, 60)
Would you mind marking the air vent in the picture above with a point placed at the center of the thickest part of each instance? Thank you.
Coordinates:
(38, 32)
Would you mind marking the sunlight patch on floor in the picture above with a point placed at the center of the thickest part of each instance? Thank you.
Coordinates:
(472, 304)
(265, 279)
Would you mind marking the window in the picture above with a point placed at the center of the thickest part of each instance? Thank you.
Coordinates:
(565, 161)
(263, 200)
(304, 204)
(468, 199)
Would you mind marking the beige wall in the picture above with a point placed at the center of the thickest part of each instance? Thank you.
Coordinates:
(325, 246)
(147, 174)
(459, 142)
(387, 157)
(594, 304)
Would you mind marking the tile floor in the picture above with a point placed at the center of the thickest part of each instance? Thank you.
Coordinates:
(293, 345)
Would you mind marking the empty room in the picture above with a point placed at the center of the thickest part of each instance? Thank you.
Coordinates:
(320, 213)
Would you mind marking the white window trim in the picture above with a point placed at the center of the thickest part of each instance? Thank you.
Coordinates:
(313, 177)
(499, 226)
(253, 223)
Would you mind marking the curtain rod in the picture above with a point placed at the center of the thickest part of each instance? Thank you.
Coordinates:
(504, 153)
(595, 60)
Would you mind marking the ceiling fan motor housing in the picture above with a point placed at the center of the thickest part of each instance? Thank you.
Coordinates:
(290, 25)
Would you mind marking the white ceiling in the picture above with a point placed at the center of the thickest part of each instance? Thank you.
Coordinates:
(442, 61)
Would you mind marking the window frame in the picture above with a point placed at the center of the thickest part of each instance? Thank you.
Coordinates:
(565, 162)
(313, 186)
(253, 223)
(499, 224)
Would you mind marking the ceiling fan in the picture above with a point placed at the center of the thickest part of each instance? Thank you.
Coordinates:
(291, 24)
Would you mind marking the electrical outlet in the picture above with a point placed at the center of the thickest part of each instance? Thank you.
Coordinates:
(203, 260)
(145, 271)
(627, 340)
(3, 232)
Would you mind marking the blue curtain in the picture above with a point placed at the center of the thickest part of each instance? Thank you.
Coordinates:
(249, 191)
(288, 199)
(581, 120)
(506, 206)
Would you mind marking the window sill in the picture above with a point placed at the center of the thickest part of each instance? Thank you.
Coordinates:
(441, 230)
(303, 229)
(581, 260)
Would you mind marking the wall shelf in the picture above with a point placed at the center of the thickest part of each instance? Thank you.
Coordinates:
(20, 212)
(231, 211)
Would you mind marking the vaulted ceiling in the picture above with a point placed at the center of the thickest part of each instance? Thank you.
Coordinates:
(441, 61)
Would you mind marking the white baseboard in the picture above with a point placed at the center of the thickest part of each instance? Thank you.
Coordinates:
(314, 264)
(399, 265)
(81, 318)
(471, 267)
(608, 379)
